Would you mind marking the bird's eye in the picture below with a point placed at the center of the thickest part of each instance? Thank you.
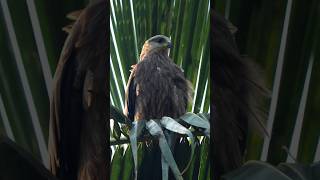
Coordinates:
(160, 40)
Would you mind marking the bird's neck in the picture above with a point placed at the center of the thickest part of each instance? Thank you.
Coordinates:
(149, 52)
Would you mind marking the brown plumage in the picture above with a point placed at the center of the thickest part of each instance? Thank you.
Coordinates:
(238, 91)
(156, 87)
(78, 127)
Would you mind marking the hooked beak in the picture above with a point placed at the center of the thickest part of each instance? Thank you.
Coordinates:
(169, 45)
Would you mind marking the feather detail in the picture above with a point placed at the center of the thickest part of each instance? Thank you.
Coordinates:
(68, 28)
(88, 90)
(77, 133)
(74, 15)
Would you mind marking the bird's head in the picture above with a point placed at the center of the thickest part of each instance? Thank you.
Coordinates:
(156, 44)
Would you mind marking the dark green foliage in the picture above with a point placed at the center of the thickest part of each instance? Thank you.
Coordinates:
(260, 30)
(253, 170)
(17, 164)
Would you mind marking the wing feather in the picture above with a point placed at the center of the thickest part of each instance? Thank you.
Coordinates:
(130, 96)
(162, 87)
(55, 110)
(78, 126)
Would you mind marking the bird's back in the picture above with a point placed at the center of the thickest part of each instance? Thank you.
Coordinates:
(162, 89)
(157, 87)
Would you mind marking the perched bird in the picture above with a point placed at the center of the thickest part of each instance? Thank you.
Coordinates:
(78, 131)
(237, 93)
(156, 87)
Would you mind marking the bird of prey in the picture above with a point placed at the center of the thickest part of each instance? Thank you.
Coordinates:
(237, 93)
(78, 131)
(156, 87)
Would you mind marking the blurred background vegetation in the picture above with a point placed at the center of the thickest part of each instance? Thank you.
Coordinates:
(283, 37)
(31, 39)
(187, 23)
